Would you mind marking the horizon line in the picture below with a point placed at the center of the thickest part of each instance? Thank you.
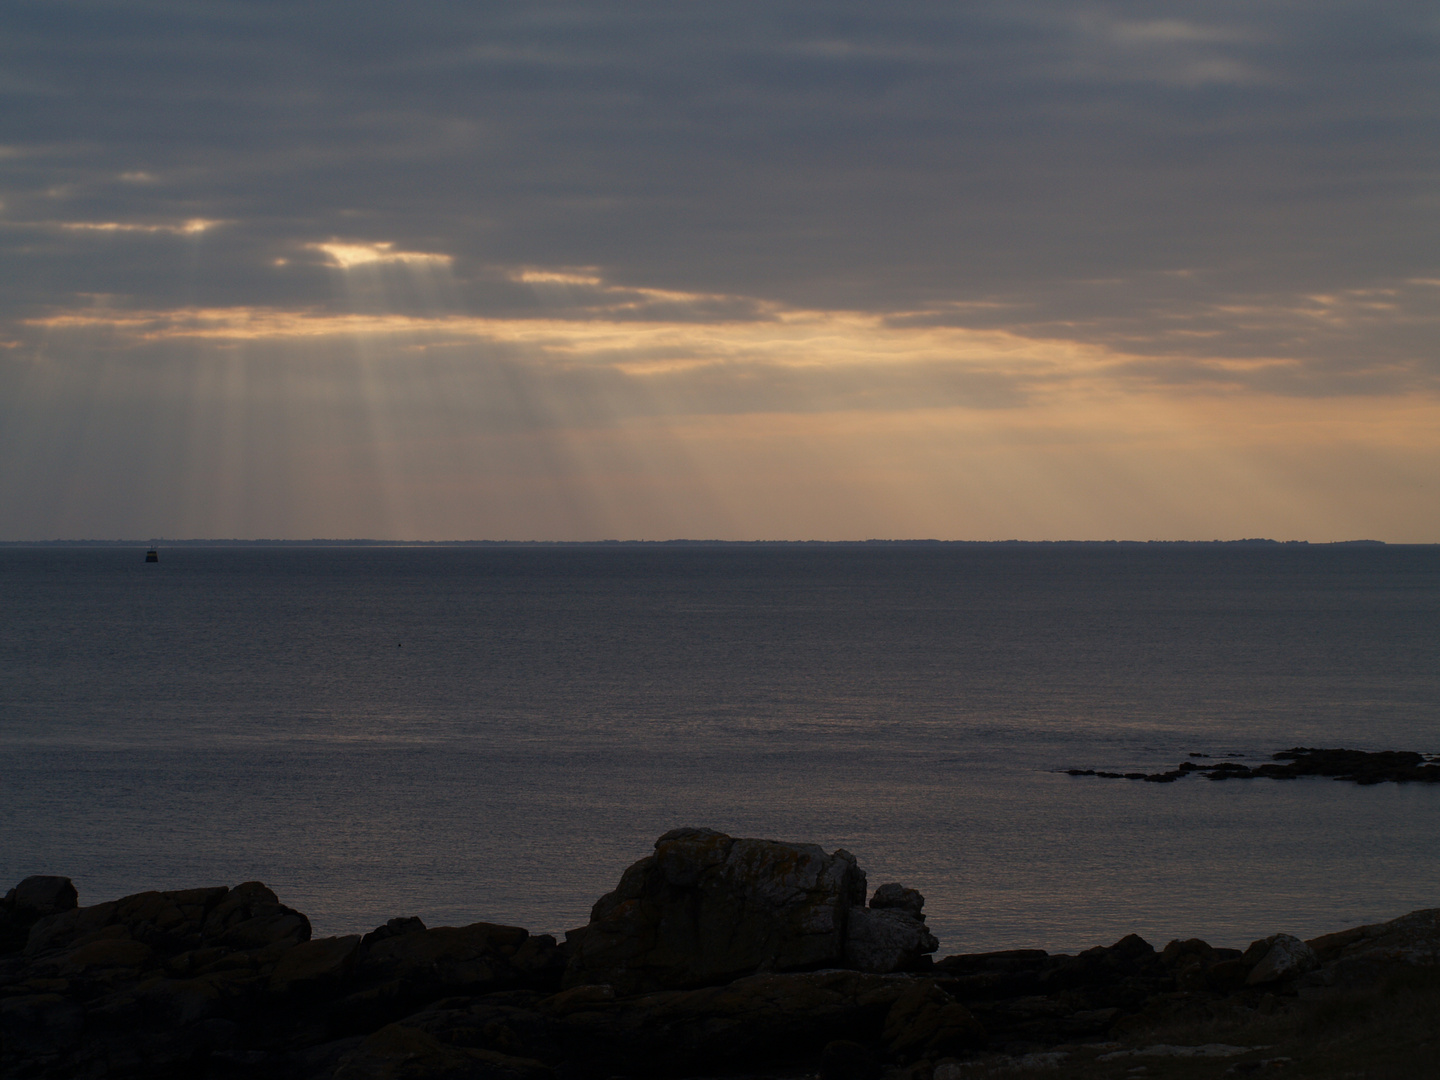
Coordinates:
(675, 542)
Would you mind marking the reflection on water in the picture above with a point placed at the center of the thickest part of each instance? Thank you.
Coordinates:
(496, 733)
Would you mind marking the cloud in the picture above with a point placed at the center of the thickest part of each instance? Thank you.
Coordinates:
(346, 256)
(687, 346)
(190, 227)
(642, 210)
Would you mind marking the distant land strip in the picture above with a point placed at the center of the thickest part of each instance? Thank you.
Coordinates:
(1362, 767)
(916, 542)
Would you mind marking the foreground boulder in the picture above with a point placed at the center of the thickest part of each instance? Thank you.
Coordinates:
(188, 982)
(1277, 957)
(756, 1018)
(229, 984)
(30, 901)
(885, 939)
(708, 908)
(1366, 954)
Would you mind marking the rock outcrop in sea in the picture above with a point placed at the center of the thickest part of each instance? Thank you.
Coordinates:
(707, 908)
(712, 954)
(1358, 766)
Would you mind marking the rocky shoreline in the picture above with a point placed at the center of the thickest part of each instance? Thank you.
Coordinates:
(1358, 766)
(713, 955)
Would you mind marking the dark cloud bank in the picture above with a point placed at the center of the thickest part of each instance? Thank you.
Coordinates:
(1117, 172)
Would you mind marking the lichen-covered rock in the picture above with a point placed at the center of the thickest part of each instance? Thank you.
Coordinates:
(1362, 955)
(707, 908)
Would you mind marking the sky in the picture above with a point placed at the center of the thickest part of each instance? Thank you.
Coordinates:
(780, 270)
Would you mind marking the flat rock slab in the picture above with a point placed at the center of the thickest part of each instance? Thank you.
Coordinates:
(1359, 766)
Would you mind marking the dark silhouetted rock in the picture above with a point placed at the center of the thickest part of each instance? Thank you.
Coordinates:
(478, 959)
(885, 939)
(1198, 966)
(844, 1059)
(896, 897)
(403, 1052)
(927, 1022)
(227, 984)
(1277, 957)
(393, 928)
(1366, 954)
(33, 899)
(313, 964)
(707, 908)
(1129, 959)
(245, 917)
(750, 1020)
(43, 895)
(1362, 767)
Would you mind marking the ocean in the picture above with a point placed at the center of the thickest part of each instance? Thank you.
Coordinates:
(495, 732)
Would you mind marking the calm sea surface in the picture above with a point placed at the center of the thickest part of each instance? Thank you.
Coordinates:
(496, 733)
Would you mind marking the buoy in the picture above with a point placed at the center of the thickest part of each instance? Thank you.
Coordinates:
(152, 555)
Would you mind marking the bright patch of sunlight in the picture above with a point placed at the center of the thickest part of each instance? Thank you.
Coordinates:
(346, 256)
(189, 227)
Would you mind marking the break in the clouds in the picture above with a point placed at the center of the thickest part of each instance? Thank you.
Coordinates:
(770, 269)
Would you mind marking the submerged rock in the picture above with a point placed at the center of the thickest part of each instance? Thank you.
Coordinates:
(1360, 766)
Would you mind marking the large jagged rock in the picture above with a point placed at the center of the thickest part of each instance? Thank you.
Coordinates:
(889, 935)
(43, 895)
(1365, 954)
(246, 917)
(33, 899)
(228, 983)
(142, 985)
(148, 984)
(707, 908)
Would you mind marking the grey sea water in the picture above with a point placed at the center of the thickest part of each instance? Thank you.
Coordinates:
(494, 733)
